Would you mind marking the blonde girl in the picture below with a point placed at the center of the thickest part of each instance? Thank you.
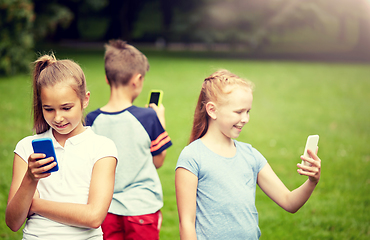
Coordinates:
(72, 202)
(216, 176)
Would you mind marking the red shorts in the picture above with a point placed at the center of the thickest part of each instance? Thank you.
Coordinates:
(143, 227)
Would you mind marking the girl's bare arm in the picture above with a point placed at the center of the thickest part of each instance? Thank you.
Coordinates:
(291, 201)
(186, 190)
(23, 187)
(92, 214)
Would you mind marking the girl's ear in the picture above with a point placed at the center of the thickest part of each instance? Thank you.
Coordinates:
(211, 109)
(86, 100)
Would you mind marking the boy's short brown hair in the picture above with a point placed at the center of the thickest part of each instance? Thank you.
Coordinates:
(122, 61)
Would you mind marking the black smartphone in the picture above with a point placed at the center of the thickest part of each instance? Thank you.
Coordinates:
(45, 146)
(155, 96)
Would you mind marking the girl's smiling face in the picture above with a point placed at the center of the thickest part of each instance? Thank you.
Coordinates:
(62, 109)
(232, 115)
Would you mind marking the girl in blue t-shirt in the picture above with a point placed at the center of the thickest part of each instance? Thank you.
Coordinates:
(72, 202)
(216, 176)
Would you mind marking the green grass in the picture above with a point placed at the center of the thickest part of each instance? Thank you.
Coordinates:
(291, 101)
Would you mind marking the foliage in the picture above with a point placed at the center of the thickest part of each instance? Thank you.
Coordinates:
(50, 15)
(257, 24)
(55, 17)
(16, 21)
(291, 101)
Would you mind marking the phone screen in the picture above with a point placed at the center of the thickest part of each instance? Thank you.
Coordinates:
(45, 145)
(154, 98)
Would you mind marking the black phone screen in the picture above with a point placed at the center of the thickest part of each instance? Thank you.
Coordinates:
(154, 98)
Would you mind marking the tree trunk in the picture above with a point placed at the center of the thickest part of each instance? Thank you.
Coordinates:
(362, 48)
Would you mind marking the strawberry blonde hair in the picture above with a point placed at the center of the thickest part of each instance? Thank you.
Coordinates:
(49, 71)
(214, 89)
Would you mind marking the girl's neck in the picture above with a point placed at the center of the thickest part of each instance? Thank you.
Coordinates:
(219, 144)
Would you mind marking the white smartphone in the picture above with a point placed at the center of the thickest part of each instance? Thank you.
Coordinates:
(312, 142)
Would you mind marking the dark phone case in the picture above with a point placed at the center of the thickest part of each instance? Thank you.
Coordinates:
(154, 98)
(45, 145)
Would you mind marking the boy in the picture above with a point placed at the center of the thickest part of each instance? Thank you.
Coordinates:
(141, 141)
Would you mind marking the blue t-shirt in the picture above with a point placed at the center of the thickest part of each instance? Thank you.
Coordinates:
(138, 135)
(226, 193)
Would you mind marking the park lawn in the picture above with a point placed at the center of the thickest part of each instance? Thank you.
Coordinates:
(291, 101)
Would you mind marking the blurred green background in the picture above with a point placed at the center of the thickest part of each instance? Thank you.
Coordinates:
(310, 61)
(291, 101)
(294, 29)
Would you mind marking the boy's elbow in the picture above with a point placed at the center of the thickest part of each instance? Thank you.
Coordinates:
(158, 160)
(158, 164)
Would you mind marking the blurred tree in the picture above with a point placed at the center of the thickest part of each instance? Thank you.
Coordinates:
(49, 15)
(163, 21)
(315, 14)
(232, 21)
(257, 23)
(68, 19)
(123, 15)
(16, 19)
(167, 7)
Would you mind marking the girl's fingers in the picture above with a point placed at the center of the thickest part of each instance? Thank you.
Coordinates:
(308, 169)
(38, 166)
(314, 160)
(314, 170)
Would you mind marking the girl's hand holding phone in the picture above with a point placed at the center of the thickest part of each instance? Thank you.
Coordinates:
(36, 166)
(313, 172)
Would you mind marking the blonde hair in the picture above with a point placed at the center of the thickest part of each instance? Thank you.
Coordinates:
(49, 71)
(122, 61)
(215, 88)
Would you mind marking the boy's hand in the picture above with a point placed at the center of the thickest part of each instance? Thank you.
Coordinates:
(314, 171)
(160, 113)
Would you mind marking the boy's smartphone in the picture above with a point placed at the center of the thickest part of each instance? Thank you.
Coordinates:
(155, 96)
(312, 142)
(45, 145)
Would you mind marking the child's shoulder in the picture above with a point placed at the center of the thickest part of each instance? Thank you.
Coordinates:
(192, 148)
(26, 140)
(89, 137)
(141, 110)
(29, 138)
(143, 114)
(246, 148)
(24, 146)
(243, 145)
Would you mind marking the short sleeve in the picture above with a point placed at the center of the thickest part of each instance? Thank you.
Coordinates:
(260, 159)
(188, 161)
(148, 118)
(105, 148)
(24, 148)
